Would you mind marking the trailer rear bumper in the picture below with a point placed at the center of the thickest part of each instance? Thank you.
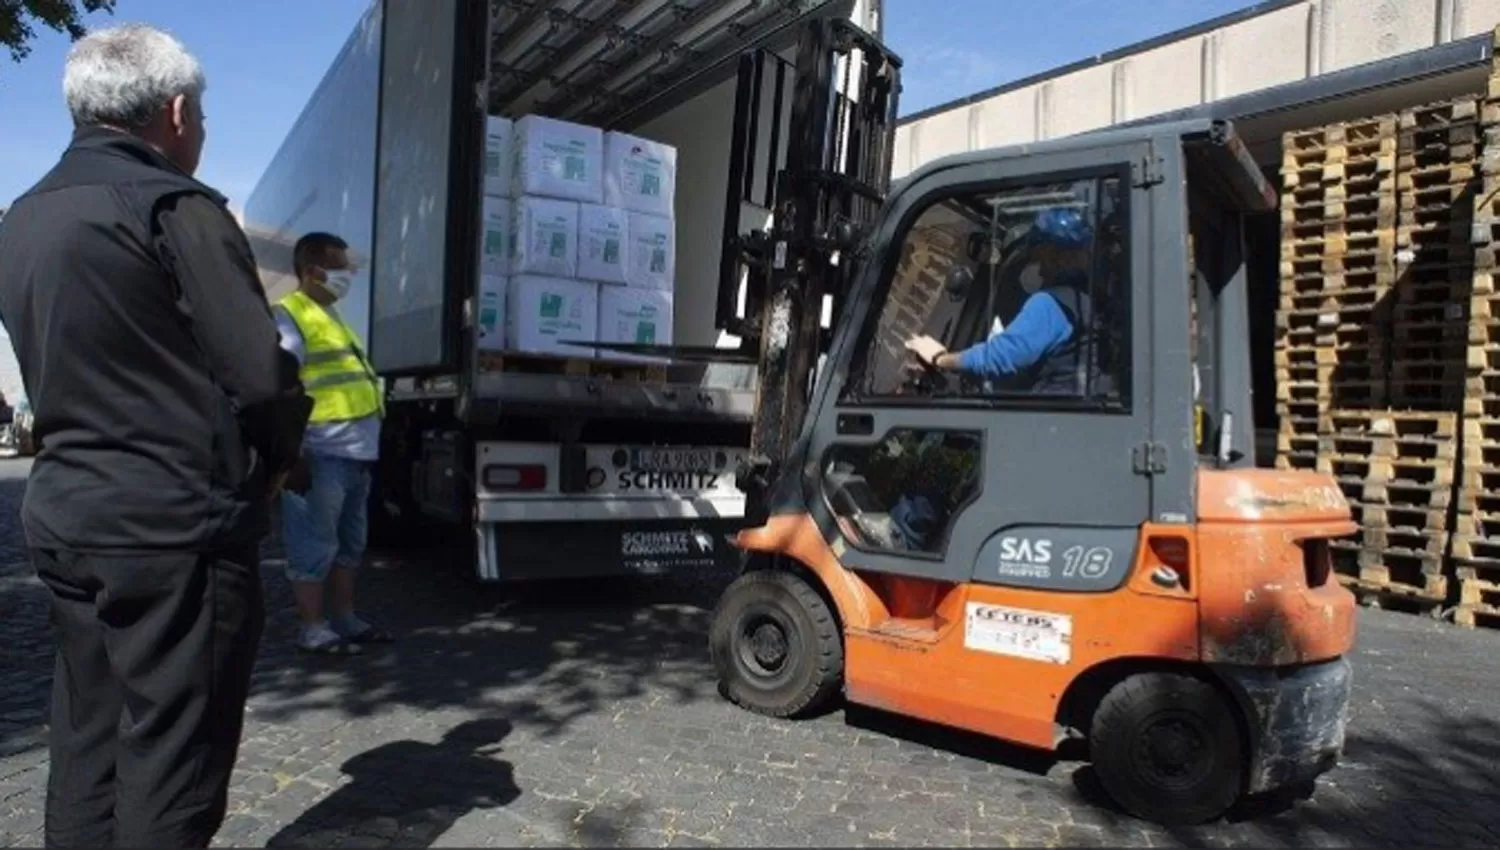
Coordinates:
(1296, 718)
(545, 551)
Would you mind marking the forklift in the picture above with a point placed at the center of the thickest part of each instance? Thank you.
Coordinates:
(1099, 563)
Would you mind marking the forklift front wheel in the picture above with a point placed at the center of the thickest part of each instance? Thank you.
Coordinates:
(1168, 749)
(775, 645)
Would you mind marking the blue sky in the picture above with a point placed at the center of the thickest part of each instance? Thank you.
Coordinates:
(264, 58)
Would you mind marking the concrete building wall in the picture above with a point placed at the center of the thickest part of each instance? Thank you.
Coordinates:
(1285, 43)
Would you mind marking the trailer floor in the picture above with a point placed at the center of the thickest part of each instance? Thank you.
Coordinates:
(593, 720)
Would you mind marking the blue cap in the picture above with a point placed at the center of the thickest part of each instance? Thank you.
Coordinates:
(1065, 228)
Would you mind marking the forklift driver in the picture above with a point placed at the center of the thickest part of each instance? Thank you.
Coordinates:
(1041, 346)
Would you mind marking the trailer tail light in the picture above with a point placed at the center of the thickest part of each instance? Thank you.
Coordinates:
(515, 477)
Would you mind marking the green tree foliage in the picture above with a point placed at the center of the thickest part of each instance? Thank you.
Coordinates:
(18, 17)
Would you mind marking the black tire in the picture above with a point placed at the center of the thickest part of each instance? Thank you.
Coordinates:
(1168, 749)
(776, 646)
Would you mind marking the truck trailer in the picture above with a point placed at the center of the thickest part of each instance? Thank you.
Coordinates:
(577, 466)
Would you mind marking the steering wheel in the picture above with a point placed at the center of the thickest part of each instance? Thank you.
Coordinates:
(928, 380)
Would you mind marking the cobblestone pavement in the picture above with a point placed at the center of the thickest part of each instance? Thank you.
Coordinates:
(506, 720)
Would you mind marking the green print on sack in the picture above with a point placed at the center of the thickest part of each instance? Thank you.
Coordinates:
(612, 251)
(551, 306)
(492, 164)
(658, 260)
(494, 242)
(557, 244)
(575, 168)
(651, 185)
(487, 316)
(645, 333)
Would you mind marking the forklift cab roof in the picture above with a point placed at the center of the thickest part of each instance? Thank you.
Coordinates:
(1217, 159)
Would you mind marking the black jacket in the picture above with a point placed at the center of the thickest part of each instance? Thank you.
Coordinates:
(162, 401)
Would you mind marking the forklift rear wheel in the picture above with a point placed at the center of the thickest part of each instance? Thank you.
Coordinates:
(775, 645)
(1168, 749)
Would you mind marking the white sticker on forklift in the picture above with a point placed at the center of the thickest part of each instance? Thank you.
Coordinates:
(1034, 635)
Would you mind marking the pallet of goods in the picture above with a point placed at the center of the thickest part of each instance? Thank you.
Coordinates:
(578, 248)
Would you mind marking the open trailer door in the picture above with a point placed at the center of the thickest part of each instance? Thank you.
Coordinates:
(426, 184)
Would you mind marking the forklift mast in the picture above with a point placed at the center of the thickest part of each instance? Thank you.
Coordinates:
(830, 188)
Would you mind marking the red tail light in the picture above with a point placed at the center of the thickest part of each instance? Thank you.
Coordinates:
(515, 477)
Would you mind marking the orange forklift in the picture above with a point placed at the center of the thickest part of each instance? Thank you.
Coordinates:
(1095, 558)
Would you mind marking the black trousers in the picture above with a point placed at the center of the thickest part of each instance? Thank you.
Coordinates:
(154, 659)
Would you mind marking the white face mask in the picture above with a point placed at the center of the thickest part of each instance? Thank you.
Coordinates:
(337, 282)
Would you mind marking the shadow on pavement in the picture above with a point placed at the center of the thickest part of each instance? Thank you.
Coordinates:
(544, 655)
(409, 793)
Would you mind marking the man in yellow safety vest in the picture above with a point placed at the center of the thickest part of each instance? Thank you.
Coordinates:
(325, 503)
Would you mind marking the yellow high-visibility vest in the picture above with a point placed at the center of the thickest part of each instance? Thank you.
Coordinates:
(334, 369)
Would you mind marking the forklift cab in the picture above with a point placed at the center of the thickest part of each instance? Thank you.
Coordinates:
(1072, 555)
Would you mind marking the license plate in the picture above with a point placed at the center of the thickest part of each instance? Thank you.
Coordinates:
(672, 460)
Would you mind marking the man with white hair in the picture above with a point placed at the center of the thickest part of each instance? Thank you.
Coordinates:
(166, 415)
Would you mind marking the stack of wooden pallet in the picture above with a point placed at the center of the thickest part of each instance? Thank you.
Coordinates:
(1388, 351)
(1396, 468)
(1338, 210)
(1476, 544)
(1338, 283)
(1439, 146)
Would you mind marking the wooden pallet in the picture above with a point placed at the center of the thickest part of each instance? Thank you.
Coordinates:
(1296, 281)
(1381, 264)
(1477, 525)
(1391, 471)
(1384, 575)
(1477, 616)
(1439, 197)
(1420, 437)
(1440, 115)
(1479, 489)
(1428, 544)
(1392, 494)
(1328, 300)
(1439, 174)
(1478, 594)
(1323, 209)
(1337, 244)
(1479, 432)
(1446, 372)
(1441, 136)
(1474, 547)
(1402, 516)
(1438, 156)
(1447, 131)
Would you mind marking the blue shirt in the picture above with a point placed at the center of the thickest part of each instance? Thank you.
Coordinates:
(358, 439)
(1037, 331)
